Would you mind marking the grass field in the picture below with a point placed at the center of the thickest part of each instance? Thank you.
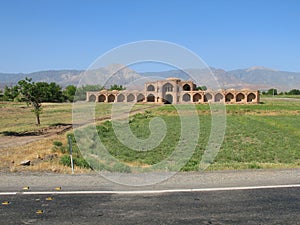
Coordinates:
(282, 96)
(258, 136)
(18, 117)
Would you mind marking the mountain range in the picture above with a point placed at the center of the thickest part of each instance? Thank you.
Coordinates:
(256, 77)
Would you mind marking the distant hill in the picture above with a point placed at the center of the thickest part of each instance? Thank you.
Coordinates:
(264, 78)
(73, 77)
(62, 77)
(254, 77)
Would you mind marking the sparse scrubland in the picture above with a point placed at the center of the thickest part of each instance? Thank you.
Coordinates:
(257, 136)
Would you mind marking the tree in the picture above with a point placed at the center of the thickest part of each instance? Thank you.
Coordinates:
(10, 93)
(32, 94)
(272, 91)
(201, 88)
(54, 93)
(294, 92)
(1, 95)
(69, 93)
(116, 87)
(51, 92)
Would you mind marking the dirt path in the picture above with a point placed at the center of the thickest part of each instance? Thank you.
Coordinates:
(15, 140)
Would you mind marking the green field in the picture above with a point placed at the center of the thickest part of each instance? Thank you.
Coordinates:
(257, 136)
(282, 96)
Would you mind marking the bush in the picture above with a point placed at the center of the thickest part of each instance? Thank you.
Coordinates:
(57, 143)
(78, 161)
(59, 146)
(65, 160)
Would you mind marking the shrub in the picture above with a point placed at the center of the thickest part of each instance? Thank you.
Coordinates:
(57, 143)
(65, 160)
(78, 161)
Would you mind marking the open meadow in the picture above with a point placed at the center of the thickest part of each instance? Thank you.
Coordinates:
(265, 135)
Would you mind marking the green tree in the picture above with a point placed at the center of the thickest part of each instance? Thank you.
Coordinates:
(10, 93)
(32, 94)
(201, 88)
(117, 87)
(51, 92)
(1, 95)
(54, 93)
(69, 93)
(272, 91)
(294, 92)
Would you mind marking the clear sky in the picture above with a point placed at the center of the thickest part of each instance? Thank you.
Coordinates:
(70, 34)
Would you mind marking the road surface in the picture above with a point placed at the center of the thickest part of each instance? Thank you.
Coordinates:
(232, 197)
(260, 206)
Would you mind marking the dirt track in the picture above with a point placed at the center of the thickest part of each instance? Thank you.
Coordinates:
(28, 137)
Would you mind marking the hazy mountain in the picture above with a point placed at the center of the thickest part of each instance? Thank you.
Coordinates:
(62, 77)
(254, 77)
(113, 74)
(263, 78)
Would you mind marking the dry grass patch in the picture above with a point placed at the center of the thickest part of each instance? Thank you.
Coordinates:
(40, 153)
(18, 117)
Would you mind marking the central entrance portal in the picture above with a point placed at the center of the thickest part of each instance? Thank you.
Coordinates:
(168, 99)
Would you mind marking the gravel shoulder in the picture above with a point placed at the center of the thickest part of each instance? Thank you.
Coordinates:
(182, 180)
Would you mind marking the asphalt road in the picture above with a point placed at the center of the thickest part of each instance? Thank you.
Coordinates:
(260, 206)
(227, 197)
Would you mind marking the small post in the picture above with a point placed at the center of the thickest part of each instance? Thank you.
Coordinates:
(71, 157)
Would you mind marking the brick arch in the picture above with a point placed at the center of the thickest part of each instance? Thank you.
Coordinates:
(197, 97)
(130, 98)
(150, 98)
(101, 98)
(92, 98)
(229, 97)
(251, 97)
(219, 97)
(120, 98)
(208, 97)
(186, 97)
(150, 88)
(168, 99)
(111, 98)
(186, 87)
(168, 87)
(240, 97)
(140, 98)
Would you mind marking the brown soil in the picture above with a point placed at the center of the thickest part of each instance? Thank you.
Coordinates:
(14, 139)
(37, 147)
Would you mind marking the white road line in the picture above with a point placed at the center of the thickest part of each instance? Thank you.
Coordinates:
(8, 193)
(151, 191)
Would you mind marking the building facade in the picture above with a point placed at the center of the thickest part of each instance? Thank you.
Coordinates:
(175, 91)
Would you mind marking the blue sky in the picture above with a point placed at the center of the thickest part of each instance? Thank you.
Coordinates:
(71, 34)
